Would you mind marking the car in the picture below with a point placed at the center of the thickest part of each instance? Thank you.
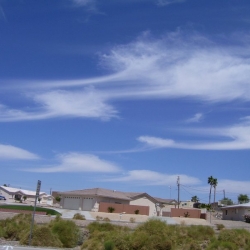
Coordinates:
(2, 198)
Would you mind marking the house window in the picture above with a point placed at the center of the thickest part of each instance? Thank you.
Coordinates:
(226, 212)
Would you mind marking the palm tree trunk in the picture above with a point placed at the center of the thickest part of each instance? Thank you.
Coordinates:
(214, 195)
(210, 194)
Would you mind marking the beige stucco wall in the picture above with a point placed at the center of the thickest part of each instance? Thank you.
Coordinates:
(235, 213)
(144, 201)
(94, 200)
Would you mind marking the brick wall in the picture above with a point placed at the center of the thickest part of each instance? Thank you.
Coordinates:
(120, 208)
(180, 212)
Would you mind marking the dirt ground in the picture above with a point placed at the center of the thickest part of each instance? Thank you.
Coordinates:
(124, 219)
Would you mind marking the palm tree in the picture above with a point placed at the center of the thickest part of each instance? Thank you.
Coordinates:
(215, 183)
(210, 181)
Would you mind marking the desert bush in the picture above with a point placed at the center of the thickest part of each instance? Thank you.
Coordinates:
(106, 219)
(96, 226)
(153, 234)
(137, 211)
(111, 209)
(221, 245)
(79, 216)
(220, 226)
(132, 220)
(41, 236)
(67, 231)
(239, 237)
(14, 228)
(98, 218)
(109, 245)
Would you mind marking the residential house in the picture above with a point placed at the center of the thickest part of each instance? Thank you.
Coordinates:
(17, 194)
(92, 200)
(235, 212)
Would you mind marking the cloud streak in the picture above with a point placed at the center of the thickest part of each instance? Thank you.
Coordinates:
(196, 118)
(88, 104)
(14, 153)
(77, 162)
(237, 137)
(152, 178)
(174, 66)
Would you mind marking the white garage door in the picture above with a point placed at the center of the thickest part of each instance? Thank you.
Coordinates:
(71, 203)
(87, 204)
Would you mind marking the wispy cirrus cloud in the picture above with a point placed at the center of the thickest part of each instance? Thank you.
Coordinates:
(196, 118)
(174, 66)
(149, 178)
(88, 104)
(168, 2)
(77, 162)
(10, 152)
(237, 137)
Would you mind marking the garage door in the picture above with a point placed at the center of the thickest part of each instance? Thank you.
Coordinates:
(87, 204)
(71, 203)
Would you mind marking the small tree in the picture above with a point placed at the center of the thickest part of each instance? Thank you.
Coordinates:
(24, 197)
(39, 199)
(58, 198)
(226, 201)
(243, 198)
(195, 199)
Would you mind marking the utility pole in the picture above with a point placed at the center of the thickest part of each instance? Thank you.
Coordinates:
(170, 191)
(178, 186)
(224, 194)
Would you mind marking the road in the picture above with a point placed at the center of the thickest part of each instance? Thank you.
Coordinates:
(7, 247)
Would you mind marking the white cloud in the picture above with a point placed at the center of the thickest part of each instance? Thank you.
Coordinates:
(168, 2)
(89, 104)
(83, 2)
(232, 186)
(76, 162)
(237, 137)
(11, 152)
(148, 178)
(196, 118)
(175, 66)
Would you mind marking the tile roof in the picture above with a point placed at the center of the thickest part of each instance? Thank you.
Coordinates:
(115, 194)
(99, 192)
(19, 190)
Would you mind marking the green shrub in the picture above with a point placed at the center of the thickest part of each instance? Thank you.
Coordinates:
(109, 245)
(96, 226)
(137, 211)
(132, 220)
(239, 237)
(106, 219)
(67, 231)
(79, 216)
(14, 228)
(98, 218)
(111, 209)
(221, 245)
(220, 226)
(41, 236)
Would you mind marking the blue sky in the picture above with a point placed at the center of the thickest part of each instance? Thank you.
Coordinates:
(126, 95)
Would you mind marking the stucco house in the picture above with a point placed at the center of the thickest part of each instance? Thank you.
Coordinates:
(235, 212)
(90, 199)
(16, 194)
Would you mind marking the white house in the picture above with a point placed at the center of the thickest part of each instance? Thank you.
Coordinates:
(89, 199)
(16, 194)
(235, 212)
